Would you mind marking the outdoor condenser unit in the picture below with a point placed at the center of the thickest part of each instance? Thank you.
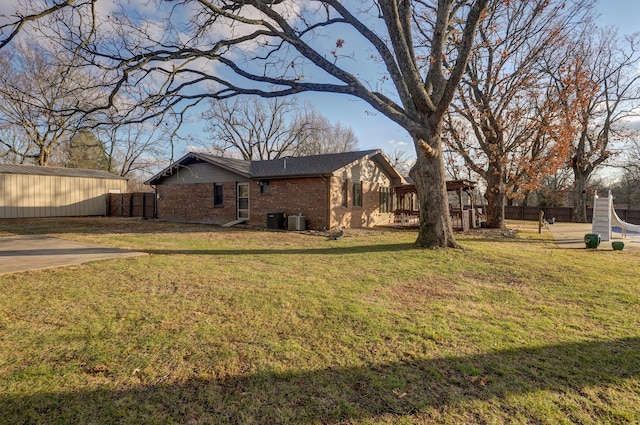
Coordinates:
(297, 222)
(276, 220)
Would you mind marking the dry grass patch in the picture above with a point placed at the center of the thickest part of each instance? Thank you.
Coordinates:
(248, 326)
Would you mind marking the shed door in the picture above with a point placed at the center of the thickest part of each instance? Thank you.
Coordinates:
(243, 200)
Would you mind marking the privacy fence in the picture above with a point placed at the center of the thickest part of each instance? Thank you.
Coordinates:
(139, 204)
(564, 213)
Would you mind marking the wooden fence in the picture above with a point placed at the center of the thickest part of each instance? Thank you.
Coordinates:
(139, 204)
(563, 214)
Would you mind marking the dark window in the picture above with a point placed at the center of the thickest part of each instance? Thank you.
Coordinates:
(345, 191)
(357, 194)
(217, 194)
(385, 199)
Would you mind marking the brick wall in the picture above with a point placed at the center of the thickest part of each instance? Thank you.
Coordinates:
(194, 203)
(356, 217)
(306, 196)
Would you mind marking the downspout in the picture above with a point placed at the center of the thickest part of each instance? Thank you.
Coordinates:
(327, 212)
(155, 201)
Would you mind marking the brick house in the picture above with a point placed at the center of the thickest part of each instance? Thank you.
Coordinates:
(351, 189)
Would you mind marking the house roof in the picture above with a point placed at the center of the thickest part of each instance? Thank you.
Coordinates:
(238, 166)
(289, 167)
(315, 165)
(57, 171)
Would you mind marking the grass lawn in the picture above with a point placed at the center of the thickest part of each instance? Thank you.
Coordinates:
(255, 327)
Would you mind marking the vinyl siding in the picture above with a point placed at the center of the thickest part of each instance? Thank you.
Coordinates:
(201, 173)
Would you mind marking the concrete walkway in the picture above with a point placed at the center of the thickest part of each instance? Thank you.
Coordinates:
(21, 253)
(571, 235)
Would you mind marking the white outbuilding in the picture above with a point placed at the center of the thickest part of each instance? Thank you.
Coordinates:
(33, 191)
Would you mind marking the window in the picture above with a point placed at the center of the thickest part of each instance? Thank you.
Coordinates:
(217, 195)
(345, 191)
(357, 194)
(385, 200)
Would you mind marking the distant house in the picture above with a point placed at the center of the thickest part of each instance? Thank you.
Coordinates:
(352, 190)
(33, 191)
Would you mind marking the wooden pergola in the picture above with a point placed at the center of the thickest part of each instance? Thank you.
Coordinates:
(408, 207)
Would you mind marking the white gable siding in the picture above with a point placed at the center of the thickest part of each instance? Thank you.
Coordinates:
(201, 173)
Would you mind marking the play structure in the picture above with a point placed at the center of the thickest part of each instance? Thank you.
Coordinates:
(605, 217)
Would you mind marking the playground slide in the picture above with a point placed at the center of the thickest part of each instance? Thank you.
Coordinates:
(605, 217)
(601, 224)
(615, 221)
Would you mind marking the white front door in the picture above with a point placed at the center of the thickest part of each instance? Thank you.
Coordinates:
(243, 200)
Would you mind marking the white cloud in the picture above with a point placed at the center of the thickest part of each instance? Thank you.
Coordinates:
(397, 143)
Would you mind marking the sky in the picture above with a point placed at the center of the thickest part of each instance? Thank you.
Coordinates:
(375, 131)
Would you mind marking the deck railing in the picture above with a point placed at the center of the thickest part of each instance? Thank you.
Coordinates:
(406, 218)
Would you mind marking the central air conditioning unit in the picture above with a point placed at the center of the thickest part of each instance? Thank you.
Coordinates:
(297, 222)
(276, 220)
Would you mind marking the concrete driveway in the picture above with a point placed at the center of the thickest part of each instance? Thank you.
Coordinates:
(21, 253)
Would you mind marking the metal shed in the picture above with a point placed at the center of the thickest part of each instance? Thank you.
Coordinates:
(33, 191)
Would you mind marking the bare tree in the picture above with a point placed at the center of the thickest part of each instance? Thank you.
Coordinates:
(400, 160)
(11, 141)
(554, 191)
(42, 98)
(134, 149)
(322, 136)
(601, 85)
(505, 122)
(258, 128)
(631, 163)
(33, 13)
(49, 113)
(626, 188)
(223, 48)
(267, 48)
(252, 128)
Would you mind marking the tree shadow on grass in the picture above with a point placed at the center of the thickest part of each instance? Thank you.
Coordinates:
(343, 393)
(103, 226)
(329, 250)
(462, 240)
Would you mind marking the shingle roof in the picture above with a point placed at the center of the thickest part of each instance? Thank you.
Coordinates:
(56, 171)
(305, 165)
(239, 166)
(301, 166)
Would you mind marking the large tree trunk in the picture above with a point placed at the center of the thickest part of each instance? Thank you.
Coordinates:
(495, 196)
(429, 177)
(579, 196)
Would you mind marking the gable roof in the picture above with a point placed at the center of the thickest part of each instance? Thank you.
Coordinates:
(238, 166)
(57, 171)
(302, 166)
(289, 167)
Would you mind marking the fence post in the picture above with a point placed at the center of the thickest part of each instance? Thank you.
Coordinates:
(540, 215)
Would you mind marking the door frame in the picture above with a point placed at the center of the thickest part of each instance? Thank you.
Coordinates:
(242, 213)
